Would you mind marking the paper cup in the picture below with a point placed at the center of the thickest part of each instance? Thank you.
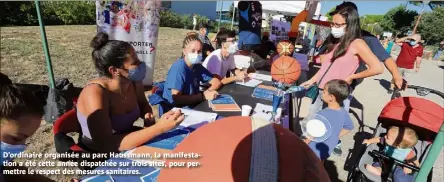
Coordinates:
(246, 110)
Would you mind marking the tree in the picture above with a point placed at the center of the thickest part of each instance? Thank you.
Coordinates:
(230, 13)
(430, 27)
(422, 4)
(398, 20)
(328, 13)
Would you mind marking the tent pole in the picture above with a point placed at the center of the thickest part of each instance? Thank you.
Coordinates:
(232, 18)
(45, 45)
(433, 154)
(220, 13)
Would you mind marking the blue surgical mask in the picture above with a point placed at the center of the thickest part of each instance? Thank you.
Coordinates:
(194, 58)
(207, 32)
(413, 43)
(8, 149)
(137, 74)
(397, 153)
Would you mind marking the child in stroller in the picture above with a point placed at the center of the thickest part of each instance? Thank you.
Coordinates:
(425, 118)
(398, 143)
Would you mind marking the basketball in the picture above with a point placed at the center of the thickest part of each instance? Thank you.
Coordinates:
(285, 48)
(285, 70)
(254, 150)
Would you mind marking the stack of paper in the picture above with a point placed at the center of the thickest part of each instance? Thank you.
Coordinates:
(264, 111)
(224, 103)
(250, 83)
(260, 76)
(195, 119)
(241, 61)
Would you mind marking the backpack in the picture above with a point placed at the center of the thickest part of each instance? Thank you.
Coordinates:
(59, 100)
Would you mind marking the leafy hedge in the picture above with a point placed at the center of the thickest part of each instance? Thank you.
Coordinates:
(23, 13)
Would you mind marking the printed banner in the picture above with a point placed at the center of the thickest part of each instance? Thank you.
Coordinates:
(133, 21)
(279, 31)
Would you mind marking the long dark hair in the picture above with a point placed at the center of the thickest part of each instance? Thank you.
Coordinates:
(108, 53)
(352, 31)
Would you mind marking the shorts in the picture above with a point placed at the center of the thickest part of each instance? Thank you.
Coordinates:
(406, 72)
(398, 174)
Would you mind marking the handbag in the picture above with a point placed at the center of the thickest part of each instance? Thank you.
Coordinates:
(313, 91)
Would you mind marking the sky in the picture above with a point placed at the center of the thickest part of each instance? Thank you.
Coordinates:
(364, 7)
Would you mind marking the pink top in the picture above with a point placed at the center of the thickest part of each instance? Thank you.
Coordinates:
(343, 67)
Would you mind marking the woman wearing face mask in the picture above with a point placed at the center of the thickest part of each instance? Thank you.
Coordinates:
(108, 106)
(344, 50)
(221, 61)
(20, 116)
(181, 87)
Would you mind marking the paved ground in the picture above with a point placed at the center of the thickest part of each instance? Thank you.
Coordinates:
(370, 98)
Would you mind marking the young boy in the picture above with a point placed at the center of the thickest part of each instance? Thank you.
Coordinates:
(335, 118)
(20, 116)
(221, 61)
(402, 151)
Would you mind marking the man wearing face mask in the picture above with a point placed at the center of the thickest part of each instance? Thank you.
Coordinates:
(221, 62)
(20, 116)
(410, 56)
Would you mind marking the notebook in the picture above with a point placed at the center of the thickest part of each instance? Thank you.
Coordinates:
(264, 92)
(224, 102)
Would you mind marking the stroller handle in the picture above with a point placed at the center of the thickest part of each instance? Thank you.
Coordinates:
(436, 92)
(400, 163)
(421, 91)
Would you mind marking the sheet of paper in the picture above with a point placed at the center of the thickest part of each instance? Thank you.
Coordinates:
(264, 111)
(151, 177)
(197, 119)
(250, 83)
(99, 178)
(261, 76)
(224, 102)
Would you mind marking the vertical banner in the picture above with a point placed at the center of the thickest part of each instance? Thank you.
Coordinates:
(133, 21)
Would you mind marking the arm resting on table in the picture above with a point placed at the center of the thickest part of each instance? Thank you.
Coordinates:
(180, 99)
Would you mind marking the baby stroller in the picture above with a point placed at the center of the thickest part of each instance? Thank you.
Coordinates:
(423, 116)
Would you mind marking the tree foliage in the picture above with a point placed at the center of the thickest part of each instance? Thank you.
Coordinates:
(230, 13)
(53, 13)
(330, 18)
(398, 20)
(431, 26)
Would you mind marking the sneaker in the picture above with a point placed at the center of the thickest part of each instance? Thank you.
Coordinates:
(337, 151)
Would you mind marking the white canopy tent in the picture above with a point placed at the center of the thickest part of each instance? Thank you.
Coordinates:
(287, 8)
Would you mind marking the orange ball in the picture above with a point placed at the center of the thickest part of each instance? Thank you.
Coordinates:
(285, 48)
(285, 69)
(225, 149)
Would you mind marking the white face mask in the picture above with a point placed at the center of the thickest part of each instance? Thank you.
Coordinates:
(194, 58)
(232, 48)
(337, 32)
(8, 149)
